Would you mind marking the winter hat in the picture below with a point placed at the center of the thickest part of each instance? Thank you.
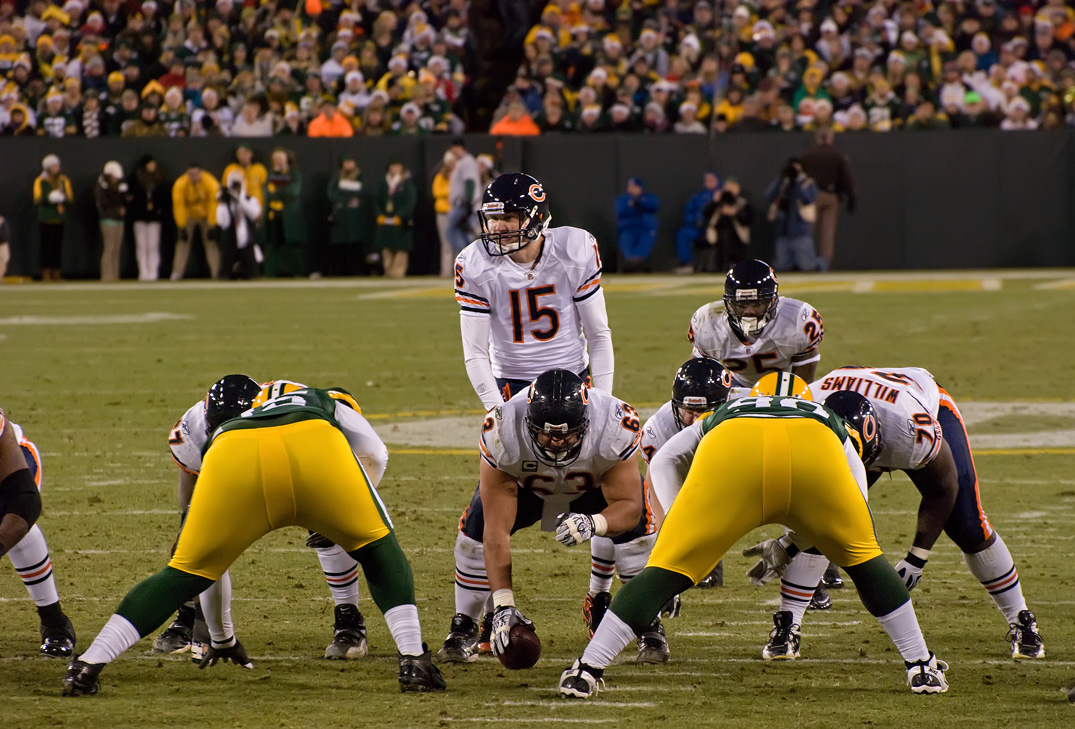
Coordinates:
(50, 160)
(113, 169)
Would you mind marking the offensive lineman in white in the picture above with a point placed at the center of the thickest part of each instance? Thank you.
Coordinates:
(530, 300)
(922, 434)
(226, 399)
(564, 455)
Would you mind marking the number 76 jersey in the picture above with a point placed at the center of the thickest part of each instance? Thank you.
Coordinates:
(906, 400)
(613, 435)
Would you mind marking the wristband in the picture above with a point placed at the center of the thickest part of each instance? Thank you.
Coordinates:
(503, 598)
(600, 525)
(917, 556)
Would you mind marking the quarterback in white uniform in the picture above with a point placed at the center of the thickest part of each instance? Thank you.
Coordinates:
(530, 296)
(564, 455)
(754, 330)
(922, 434)
(226, 399)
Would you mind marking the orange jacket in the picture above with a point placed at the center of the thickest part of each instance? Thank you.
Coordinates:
(525, 127)
(320, 126)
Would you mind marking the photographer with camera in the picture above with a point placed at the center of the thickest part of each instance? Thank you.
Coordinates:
(792, 199)
(237, 214)
(726, 229)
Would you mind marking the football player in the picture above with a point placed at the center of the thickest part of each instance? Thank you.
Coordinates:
(769, 458)
(922, 434)
(754, 330)
(226, 399)
(292, 460)
(30, 554)
(564, 455)
(530, 300)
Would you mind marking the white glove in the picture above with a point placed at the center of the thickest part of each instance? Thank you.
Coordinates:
(505, 618)
(56, 197)
(122, 187)
(575, 529)
(774, 560)
(672, 608)
(910, 570)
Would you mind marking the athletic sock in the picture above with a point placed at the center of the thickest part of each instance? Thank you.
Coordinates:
(612, 636)
(116, 636)
(31, 560)
(471, 580)
(902, 627)
(602, 564)
(406, 631)
(995, 569)
(799, 582)
(341, 574)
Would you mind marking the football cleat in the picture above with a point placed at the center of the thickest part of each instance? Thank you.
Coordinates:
(714, 578)
(594, 608)
(461, 645)
(176, 637)
(821, 599)
(927, 677)
(832, 579)
(417, 673)
(581, 681)
(349, 641)
(784, 638)
(199, 637)
(1026, 642)
(485, 635)
(81, 678)
(652, 645)
(58, 641)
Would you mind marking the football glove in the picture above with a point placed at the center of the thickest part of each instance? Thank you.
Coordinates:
(234, 653)
(774, 560)
(672, 607)
(505, 618)
(575, 529)
(910, 570)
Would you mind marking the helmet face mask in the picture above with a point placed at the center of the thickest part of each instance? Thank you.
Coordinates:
(700, 385)
(862, 422)
(228, 398)
(514, 213)
(750, 297)
(556, 417)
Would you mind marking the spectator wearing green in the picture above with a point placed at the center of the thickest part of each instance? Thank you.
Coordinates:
(284, 226)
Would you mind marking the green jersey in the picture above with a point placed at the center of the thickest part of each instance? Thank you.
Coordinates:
(769, 407)
(293, 407)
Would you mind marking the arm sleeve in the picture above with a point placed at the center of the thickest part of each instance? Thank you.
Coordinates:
(216, 607)
(857, 469)
(366, 444)
(223, 215)
(670, 465)
(475, 331)
(599, 339)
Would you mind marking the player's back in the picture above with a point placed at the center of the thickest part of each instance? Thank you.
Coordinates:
(789, 340)
(906, 400)
(534, 325)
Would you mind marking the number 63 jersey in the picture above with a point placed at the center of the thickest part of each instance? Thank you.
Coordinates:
(613, 435)
(789, 340)
(906, 400)
(535, 325)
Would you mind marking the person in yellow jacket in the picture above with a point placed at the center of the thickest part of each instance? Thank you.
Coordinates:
(253, 172)
(442, 206)
(194, 206)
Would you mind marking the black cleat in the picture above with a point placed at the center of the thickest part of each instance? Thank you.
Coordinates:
(652, 645)
(349, 641)
(461, 645)
(1024, 636)
(714, 578)
(417, 673)
(832, 579)
(821, 599)
(580, 681)
(485, 635)
(594, 608)
(58, 641)
(784, 638)
(176, 637)
(81, 678)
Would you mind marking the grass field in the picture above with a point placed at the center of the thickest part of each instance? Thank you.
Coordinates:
(97, 375)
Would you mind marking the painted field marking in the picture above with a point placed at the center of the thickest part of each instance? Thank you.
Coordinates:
(150, 317)
(558, 704)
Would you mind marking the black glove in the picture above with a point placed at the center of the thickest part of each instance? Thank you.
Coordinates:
(235, 654)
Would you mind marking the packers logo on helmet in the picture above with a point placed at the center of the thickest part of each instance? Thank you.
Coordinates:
(782, 384)
(275, 389)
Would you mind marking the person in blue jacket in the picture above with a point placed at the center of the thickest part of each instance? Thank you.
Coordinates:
(636, 226)
(694, 223)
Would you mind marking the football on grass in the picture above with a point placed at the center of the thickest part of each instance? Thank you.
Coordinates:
(524, 649)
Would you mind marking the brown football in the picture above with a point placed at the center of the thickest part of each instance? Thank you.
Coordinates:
(524, 649)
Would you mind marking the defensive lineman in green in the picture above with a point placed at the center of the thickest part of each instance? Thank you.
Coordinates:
(285, 462)
(761, 460)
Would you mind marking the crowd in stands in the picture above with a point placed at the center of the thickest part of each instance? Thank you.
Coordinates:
(790, 65)
(250, 68)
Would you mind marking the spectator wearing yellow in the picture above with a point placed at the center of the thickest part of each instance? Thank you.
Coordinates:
(254, 173)
(52, 196)
(194, 207)
(442, 206)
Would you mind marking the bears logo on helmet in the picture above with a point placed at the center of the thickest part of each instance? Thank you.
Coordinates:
(515, 194)
(751, 294)
(556, 417)
(863, 424)
(700, 385)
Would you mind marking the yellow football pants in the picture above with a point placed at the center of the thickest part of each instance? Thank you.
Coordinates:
(753, 471)
(258, 480)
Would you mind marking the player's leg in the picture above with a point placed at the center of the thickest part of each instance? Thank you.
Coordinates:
(32, 561)
(230, 483)
(828, 509)
(984, 551)
(334, 497)
(798, 587)
(341, 574)
(602, 570)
